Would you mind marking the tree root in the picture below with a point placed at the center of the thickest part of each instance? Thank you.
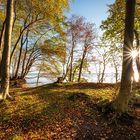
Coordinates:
(10, 97)
(118, 118)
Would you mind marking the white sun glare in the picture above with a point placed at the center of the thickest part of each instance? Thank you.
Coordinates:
(134, 53)
(136, 76)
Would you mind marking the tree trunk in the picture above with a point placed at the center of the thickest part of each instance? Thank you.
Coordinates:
(19, 58)
(24, 58)
(116, 74)
(116, 69)
(71, 62)
(5, 63)
(99, 73)
(138, 66)
(29, 63)
(13, 66)
(74, 72)
(1, 43)
(38, 76)
(81, 64)
(67, 68)
(137, 57)
(103, 72)
(122, 100)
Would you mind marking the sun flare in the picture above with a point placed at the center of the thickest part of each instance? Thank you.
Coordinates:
(134, 53)
(136, 76)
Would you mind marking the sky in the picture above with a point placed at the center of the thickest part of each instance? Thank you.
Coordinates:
(93, 10)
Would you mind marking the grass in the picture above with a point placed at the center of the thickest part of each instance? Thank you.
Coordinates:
(54, 111)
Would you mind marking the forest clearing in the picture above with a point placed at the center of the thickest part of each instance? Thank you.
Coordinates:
(64, 111)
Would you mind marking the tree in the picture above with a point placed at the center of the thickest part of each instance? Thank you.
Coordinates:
(122, 100)
(52, 59)
(5, 64)
(80, 37)
(74, 36)
(36, 14)
(115, 50)
(35, 17)
(102, 59)
(88, 38)
(2, 38)
(116, 62)
(113, 26)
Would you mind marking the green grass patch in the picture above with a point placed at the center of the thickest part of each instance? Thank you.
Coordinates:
(35, 112)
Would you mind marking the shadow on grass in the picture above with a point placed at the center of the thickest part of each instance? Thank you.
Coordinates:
(51, 111)
(89, 85)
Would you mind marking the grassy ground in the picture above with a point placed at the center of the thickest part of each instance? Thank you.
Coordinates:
(61, 112)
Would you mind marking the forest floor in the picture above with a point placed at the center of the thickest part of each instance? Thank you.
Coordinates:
(63, 112)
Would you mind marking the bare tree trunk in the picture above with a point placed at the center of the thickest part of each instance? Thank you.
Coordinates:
(18, 63)
(38, 76)
(13, 66)
(122, 100)
(22, 30)
(137, 57)
(71, 62)
(67, 68)
(103, 72)
(1, 43)
(81, 64)
(2, 33)
(25, 54)
(74, 72)
(116, 74)
(5, 63)
(116, 69)
(19, 58)
(138, 66)
(30, 61)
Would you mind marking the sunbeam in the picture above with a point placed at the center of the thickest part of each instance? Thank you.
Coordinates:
(136, 76)
(134, 53)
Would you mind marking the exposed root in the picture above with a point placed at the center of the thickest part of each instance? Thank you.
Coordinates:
(117, 118)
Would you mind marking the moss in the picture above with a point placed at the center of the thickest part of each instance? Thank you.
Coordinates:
(33, 108)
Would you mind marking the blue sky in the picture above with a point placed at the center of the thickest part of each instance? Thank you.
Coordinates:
(93, 10)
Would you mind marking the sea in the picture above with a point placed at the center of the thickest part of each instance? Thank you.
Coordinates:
(31, 79)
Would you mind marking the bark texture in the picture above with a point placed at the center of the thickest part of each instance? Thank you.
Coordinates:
(71, 62)
(138, 56)
(81, 64)
(5, 63)
(121, 103)
(1, 43)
